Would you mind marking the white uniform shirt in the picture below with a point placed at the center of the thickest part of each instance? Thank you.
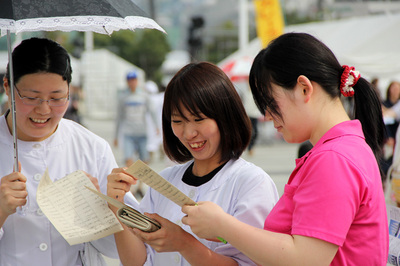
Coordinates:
(32, 239)
(241, 188)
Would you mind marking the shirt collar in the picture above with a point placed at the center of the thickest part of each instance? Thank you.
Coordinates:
(351, 127)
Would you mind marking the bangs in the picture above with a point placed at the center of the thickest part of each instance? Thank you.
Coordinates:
(260, 81)
(187, 104)
(195, 98)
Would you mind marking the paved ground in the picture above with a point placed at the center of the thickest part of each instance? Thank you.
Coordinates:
(272, 154)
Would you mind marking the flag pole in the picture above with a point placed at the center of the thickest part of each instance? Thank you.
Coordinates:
(243, 24)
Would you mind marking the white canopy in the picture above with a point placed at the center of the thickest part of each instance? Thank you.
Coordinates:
(371, 44)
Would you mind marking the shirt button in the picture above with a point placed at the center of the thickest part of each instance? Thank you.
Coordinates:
(37, 146)
(39, 212)
(192, 193)
(37, 177)
(43, 247)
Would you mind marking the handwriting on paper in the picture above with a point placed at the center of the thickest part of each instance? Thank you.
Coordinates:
(148, 176)
(78, 215)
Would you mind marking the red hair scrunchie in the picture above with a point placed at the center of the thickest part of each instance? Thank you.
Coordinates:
(348, 79)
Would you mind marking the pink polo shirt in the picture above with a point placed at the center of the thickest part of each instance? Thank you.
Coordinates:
(335, 194)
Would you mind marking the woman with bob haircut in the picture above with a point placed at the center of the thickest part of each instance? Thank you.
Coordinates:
(206, 129)
(333, 210)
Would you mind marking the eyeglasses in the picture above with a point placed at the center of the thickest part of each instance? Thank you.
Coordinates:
(38, 101)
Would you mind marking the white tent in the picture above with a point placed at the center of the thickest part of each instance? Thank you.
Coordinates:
(103, 74)
(371, 44)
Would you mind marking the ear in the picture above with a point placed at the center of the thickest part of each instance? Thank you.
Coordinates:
(6, 86)
(305, 87)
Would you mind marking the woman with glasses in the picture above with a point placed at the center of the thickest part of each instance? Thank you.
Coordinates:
(42, 76)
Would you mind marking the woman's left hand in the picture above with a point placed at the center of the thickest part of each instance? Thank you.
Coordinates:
(94, 180)
(119, 183)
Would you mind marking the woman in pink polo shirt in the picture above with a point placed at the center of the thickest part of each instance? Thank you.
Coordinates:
(333, 209)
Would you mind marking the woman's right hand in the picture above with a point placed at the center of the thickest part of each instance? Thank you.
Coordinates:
(13, 193)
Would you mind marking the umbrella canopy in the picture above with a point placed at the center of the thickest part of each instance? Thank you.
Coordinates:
(237, 69)
(101, 16)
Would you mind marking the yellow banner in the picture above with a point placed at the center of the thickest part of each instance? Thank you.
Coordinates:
(269, 20)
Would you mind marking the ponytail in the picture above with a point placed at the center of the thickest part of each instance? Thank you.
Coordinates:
(367, 109)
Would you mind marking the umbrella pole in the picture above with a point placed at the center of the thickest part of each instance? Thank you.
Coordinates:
(13, 111)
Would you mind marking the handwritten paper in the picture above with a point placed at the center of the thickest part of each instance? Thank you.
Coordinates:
(148, 176)
(78, 215)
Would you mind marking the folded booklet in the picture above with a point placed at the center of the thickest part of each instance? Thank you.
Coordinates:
(129, 216)
(135, 219)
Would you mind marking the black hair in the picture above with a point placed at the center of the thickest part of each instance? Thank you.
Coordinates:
(40, 55)
(204, 88)
(294, 54)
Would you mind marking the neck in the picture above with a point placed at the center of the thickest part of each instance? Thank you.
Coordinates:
(201, 168)
(331, 114)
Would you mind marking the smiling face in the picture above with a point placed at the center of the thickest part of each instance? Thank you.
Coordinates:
(200, 135)
(37, 123)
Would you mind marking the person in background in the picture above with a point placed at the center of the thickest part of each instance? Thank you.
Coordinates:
(205, 129)
(333, 200)
(392, 97)
(154, 136)
(392, 94)
(131, 125)
(133, 108)
(72, 112)
(42, 77)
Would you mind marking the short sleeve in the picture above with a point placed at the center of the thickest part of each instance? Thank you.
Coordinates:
(327, 197)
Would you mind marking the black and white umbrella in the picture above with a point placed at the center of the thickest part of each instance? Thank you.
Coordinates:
(101, 16)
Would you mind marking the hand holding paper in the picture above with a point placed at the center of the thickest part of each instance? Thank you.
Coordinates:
(144, 173)
(78, 215)
(200, 217)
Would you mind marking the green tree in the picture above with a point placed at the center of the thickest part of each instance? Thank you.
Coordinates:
(144, 48)
(224, 41)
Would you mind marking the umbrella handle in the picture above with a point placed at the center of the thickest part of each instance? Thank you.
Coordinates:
(13, 111)
(20, 210)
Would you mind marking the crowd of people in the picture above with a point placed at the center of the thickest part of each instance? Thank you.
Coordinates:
(332, 211)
